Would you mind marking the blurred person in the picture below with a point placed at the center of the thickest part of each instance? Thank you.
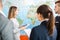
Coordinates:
(46, 30)
(6, 26)
(13, 11)
(57, 18)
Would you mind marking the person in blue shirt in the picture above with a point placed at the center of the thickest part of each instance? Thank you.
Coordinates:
(46, 30)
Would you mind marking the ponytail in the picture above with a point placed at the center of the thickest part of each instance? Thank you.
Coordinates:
(46, 12)
(50, 23)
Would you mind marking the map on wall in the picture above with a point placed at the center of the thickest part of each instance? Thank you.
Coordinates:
(27, 10)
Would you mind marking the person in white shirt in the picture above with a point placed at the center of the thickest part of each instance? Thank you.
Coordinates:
(12, 16)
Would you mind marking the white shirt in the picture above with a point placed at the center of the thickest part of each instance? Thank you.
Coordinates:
(2, 13)
(16, 29)
(44, 20)
(58, 15)
(16, 25)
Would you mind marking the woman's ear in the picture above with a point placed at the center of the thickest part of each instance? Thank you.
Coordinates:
(40, 15)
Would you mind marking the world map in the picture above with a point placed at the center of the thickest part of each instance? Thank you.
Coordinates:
(27, 10)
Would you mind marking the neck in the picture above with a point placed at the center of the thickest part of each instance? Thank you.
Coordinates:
(58, 12)
(45, 19)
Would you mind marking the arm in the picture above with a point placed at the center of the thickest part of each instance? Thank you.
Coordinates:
(24, 27)
(18, 29)
(33, 35)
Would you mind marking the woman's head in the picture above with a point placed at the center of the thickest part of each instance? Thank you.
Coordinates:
(45, 12)
(12, 12)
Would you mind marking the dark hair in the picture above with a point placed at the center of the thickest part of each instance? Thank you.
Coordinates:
(12, 12)
(57, 2)
(45, 11)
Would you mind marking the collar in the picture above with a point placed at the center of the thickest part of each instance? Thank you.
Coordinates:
(44, 20)
(58, 15)
(2, 13)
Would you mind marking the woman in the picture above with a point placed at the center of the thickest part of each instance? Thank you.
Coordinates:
(12, 16)
(46, 30)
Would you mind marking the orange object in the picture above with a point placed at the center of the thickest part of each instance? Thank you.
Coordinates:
(23, 37)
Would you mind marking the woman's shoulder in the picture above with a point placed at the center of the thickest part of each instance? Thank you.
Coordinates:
(36, 27)
(13, 19)
(35, 30)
